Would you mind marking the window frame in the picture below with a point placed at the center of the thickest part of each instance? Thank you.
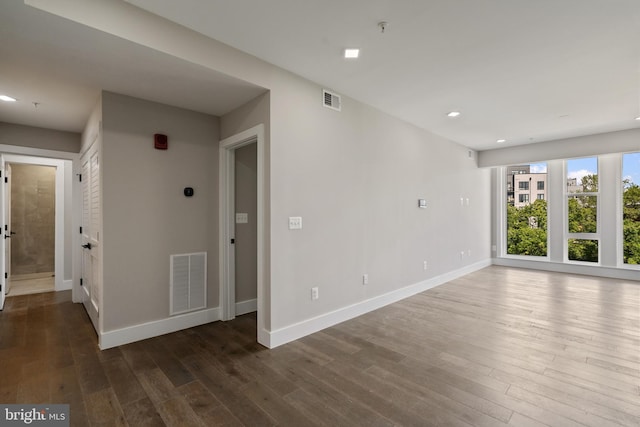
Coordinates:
(565, 213)
(502, 199)
(620, 214)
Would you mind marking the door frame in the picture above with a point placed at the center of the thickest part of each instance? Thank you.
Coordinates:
(227, 225)
(59, 252)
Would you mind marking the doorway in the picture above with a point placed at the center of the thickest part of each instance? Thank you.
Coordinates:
(30, 228)
(11, 160)
(242, 228)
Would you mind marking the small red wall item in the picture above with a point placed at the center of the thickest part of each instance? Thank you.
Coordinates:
(160, 141)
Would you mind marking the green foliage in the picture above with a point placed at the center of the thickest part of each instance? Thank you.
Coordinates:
(583, 250)
(583, 214)
(590, 183)
(527, 229)
(631, 223)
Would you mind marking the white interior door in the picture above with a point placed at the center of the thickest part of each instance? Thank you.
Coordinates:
(3, 281)
(90, 278)
(7, 213)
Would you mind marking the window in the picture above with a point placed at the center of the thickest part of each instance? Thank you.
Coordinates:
(526, 221)
(582, 209)
(631, 208)
(540, 185)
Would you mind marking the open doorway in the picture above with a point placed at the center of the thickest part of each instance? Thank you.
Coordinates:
(242, 228)
(30, 225)
(246, 229)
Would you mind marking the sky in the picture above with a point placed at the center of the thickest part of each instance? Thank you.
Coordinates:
(631, 167)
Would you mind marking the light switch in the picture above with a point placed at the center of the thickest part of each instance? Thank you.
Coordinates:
(242, 218)
(295, 223)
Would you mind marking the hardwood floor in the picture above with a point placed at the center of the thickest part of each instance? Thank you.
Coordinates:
(498, 347)
(36, 283)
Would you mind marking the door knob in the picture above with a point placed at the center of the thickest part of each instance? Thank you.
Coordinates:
(87, 246)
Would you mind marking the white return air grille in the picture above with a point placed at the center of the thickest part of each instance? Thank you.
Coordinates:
(188, 286)
(331, 100)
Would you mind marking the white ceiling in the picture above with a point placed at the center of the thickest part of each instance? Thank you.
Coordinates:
(525, 71)
(63, 66)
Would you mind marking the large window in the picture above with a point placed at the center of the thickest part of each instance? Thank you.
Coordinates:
(582, 209)
(631, 208)
(526, 210)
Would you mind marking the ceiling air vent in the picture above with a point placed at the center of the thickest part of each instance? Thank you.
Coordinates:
(331, 100)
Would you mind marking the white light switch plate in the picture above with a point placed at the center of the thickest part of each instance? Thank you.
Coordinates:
(242, 218)
(295, 223)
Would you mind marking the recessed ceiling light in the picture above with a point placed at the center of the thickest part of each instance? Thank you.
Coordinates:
(500, 141)
(351, 53)
(453, 114)
(7, 98)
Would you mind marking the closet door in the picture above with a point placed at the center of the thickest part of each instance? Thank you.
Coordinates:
(91, 286)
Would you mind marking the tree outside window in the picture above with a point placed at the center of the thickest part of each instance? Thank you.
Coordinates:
(631, 208)
(526, 220)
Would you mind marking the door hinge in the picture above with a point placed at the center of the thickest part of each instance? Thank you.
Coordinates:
(0, 288)
(233, 241)
(6, 179)
(81, 281)
(80, 230)
(80, 177)
(6, 275)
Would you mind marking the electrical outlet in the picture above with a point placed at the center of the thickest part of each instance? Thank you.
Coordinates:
(365, 279)
(314, 293)
(295, 223)
(425, 265)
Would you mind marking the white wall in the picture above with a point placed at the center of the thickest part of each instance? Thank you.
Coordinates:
(146, 217)
(47, 139)
(582, 146)
(355, 177)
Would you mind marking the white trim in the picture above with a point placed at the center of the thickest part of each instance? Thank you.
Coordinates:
(158, 327)
(66, 285)
(248, 306)
(61, 193)
(310, 326)
(582, 268)
(227, 219)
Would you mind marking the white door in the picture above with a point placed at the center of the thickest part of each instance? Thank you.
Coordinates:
(3, 190)
(90, 278)
(7, 221)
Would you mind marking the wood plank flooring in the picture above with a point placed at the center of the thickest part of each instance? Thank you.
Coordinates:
(499, 347)
(36, 283)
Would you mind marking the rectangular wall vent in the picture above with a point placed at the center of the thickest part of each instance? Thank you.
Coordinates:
(331, 100)
(188, 285)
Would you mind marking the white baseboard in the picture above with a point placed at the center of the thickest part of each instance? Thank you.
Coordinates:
(159, 327)
(66, 285)
(309, 326)
(557, 267)
(248, 306)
